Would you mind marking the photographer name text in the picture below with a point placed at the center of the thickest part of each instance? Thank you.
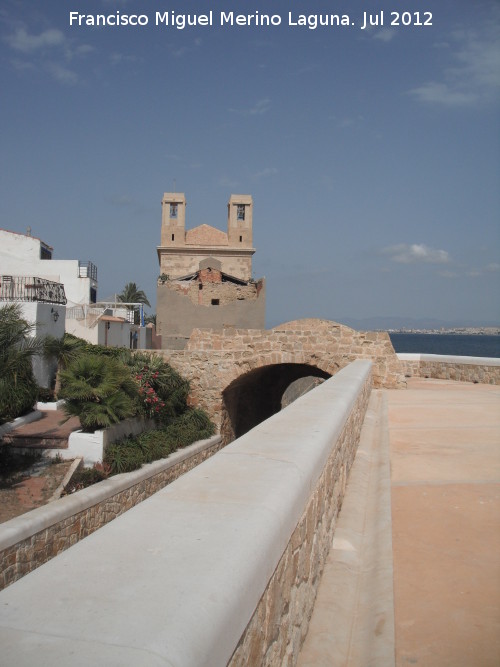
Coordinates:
(178, 21)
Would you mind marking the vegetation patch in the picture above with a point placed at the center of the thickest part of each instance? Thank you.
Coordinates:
(131, 453)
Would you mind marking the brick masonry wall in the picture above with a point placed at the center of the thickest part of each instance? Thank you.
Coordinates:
(279, 625)
(440, 370)
(29, 553)
(226, 292)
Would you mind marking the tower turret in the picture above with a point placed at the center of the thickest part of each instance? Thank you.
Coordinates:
(173, 219)
(239, 220)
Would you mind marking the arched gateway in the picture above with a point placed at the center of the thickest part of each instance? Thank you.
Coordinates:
(239, 375)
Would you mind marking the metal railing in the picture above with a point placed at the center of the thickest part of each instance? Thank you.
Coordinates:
(87, 270)
(29, 288)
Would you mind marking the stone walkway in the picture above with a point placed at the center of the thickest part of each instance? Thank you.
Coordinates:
(45, 433)
(443, 441)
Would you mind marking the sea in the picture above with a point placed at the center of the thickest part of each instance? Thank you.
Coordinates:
(463, 345)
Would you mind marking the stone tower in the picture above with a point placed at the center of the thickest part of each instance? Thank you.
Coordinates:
(206, 274)
(181, 252)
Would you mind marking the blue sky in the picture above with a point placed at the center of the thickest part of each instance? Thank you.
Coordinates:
(372, 155)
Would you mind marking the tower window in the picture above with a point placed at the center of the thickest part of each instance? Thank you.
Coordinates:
(241, 239)
(215, 302)
(173, 237)
(173, 210)
(240, 212)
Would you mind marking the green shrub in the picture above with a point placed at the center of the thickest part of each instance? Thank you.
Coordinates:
(18, 387)
(131, 453)
(192, 425)
(99, 390)
(123, 456)
(45, 395)
(163, 392)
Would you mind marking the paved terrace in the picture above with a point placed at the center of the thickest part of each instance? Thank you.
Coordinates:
(413, 576)
(429, 463)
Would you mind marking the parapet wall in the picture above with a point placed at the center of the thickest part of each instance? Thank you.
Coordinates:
(484, 370)
(220, 567)
(32, 539)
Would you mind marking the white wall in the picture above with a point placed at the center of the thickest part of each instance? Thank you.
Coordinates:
(41, 315)
(20, 256)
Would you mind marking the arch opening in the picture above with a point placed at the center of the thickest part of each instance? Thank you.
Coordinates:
(257, 395)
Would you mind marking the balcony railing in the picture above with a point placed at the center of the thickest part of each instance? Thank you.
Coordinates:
(27, 288)
(87, 270)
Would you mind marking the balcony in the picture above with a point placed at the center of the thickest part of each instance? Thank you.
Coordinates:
(87, 270)
(28, 288)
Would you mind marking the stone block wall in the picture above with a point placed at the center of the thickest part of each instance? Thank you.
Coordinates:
(182, 571)
(443, 367)
(212, 360)
(34, 538)
(279, 625)
(226, 292)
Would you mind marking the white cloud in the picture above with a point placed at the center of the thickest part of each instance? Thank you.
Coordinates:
(472, 75)
(259, 108)
(444, 94)
(26, 43)
(384, 35)
(119, 58)
(262, 106)
(49, 51)
(226, 182)
(264, 173)
(404, 253)
(61, 73)
(493, 267)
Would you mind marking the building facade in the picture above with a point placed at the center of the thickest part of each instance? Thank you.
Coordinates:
(107, 324)
(23, 254)
(206, 274)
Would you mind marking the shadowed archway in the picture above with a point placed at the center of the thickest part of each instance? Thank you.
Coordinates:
(256, 395)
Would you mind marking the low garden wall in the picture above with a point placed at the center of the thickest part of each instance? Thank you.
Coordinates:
(484, 370)
(220, 567)
(92, 446)
(28, 541)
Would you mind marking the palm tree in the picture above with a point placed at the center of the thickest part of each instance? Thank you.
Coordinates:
(132, 294)
(99, 390)
(65, 350)
(18, 387)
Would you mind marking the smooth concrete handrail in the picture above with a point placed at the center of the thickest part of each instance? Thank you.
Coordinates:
(175, 580)
(449, 359)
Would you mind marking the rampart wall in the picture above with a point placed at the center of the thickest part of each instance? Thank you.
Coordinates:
(28, 541)
(212, 360)
(446, 367)
(220, 567)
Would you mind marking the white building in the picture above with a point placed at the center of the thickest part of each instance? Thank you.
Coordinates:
(25, 255)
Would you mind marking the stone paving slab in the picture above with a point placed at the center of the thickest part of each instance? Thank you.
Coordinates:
(445, 458)
(353, 618)
(467, 454)
(446, 545)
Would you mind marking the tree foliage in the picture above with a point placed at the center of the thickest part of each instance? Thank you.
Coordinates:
(18, 387)
(99, 390)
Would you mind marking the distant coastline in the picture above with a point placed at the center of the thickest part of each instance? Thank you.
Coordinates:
(455, 342)
(464, 331)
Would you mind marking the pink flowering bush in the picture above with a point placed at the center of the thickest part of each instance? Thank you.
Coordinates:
(162, 391)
